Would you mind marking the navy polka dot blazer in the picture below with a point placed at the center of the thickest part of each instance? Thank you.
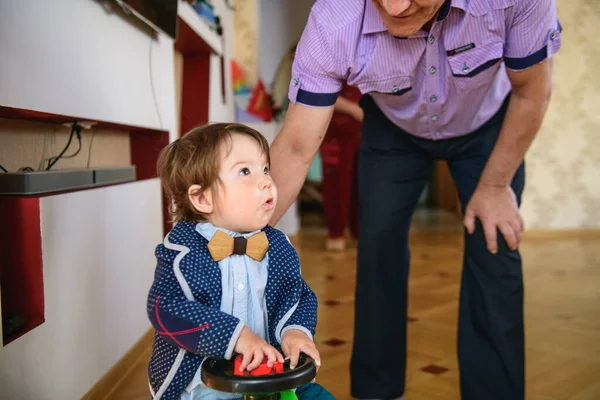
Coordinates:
(184, 306)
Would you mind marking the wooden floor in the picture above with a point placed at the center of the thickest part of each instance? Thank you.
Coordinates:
(562, 278)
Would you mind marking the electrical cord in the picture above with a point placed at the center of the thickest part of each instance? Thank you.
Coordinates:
(53, 160)
(78, 149)
(152, 83)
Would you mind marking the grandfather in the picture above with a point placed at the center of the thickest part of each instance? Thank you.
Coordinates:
(467, 81)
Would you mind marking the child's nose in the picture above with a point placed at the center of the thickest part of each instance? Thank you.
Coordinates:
(266, 182)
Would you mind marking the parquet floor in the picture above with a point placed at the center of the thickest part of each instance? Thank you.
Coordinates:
(562, 278)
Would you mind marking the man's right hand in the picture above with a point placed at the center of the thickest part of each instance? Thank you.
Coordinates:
(253, 350)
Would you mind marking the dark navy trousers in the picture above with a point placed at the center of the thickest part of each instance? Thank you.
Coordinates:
(394, 168)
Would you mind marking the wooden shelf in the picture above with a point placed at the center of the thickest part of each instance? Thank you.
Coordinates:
(41, 116)
(145, 143)
(194, 34)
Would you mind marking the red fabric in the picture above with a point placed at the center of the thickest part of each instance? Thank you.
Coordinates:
(339, 154)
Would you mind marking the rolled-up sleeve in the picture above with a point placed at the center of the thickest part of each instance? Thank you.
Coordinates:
(533, 33)
(316, 81)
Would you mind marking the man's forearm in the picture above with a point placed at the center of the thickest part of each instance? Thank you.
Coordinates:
(289, 168)
(524, 116)
(293, 150)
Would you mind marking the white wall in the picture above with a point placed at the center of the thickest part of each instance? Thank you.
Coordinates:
(280, 25)
(98, 261)
(74, 57)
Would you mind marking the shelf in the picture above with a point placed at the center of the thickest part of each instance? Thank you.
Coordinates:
(194, 34)
(41, 116)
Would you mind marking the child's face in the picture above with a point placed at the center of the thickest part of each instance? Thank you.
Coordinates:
(246, 196)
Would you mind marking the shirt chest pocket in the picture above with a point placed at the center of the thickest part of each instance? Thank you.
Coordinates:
(393, 86)
(476, 67)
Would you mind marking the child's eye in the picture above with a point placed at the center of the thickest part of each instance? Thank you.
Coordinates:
(266, 170)
(244, 171)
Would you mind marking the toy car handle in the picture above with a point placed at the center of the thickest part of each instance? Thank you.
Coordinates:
(215, 376)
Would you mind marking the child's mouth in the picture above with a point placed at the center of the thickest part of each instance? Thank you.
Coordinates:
(269, 204)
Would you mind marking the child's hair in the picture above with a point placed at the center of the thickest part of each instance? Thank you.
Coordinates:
(194, 159)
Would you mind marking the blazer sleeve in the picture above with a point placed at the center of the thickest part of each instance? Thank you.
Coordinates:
(304, 317)
(185, 322)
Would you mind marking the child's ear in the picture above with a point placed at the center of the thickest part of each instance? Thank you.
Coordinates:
(201, 200)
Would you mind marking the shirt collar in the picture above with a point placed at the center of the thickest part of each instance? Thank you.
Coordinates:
(208, 230)
(374, 23)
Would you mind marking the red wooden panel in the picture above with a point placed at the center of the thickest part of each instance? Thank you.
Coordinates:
(188, 41)
(195, 96)
(145, 149)
(21, 272)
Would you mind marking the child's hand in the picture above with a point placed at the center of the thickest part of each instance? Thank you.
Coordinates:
(253, 349)
(295, 341)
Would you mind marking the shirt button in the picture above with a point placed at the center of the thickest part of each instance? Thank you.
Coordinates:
(436, 133)
(433, 98)
(296, 81)
(431, 39)
(466, 69)
(435, 118)
(395, 89)
(432, 70)
(553, 36)
(240, 286)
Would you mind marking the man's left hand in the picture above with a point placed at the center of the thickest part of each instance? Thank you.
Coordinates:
(497, 208)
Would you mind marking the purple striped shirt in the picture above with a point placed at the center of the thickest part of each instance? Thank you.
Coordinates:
(438, 84)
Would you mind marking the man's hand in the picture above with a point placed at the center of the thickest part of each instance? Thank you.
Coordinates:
(295, 341)
(494, 202)
(358, 114)
(496, 207)
(253, 349)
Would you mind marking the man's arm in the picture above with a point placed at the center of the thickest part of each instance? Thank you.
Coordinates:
(494, 202)
(294, 149)
(529, 100)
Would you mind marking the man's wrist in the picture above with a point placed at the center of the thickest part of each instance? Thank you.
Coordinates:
(493, 184)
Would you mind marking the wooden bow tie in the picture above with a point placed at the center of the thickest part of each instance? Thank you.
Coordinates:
(222, 246)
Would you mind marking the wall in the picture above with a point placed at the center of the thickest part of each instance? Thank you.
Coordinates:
(280, 25)
(563, 166)
(98, 261)
(78, 58)
(246, 39)
(264, 31)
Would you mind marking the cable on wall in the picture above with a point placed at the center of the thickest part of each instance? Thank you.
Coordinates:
(90, 148)
(152, 83)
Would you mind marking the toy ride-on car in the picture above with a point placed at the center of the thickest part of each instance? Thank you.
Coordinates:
(263, 383)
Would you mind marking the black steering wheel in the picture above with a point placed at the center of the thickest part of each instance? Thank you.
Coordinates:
(218, 375)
